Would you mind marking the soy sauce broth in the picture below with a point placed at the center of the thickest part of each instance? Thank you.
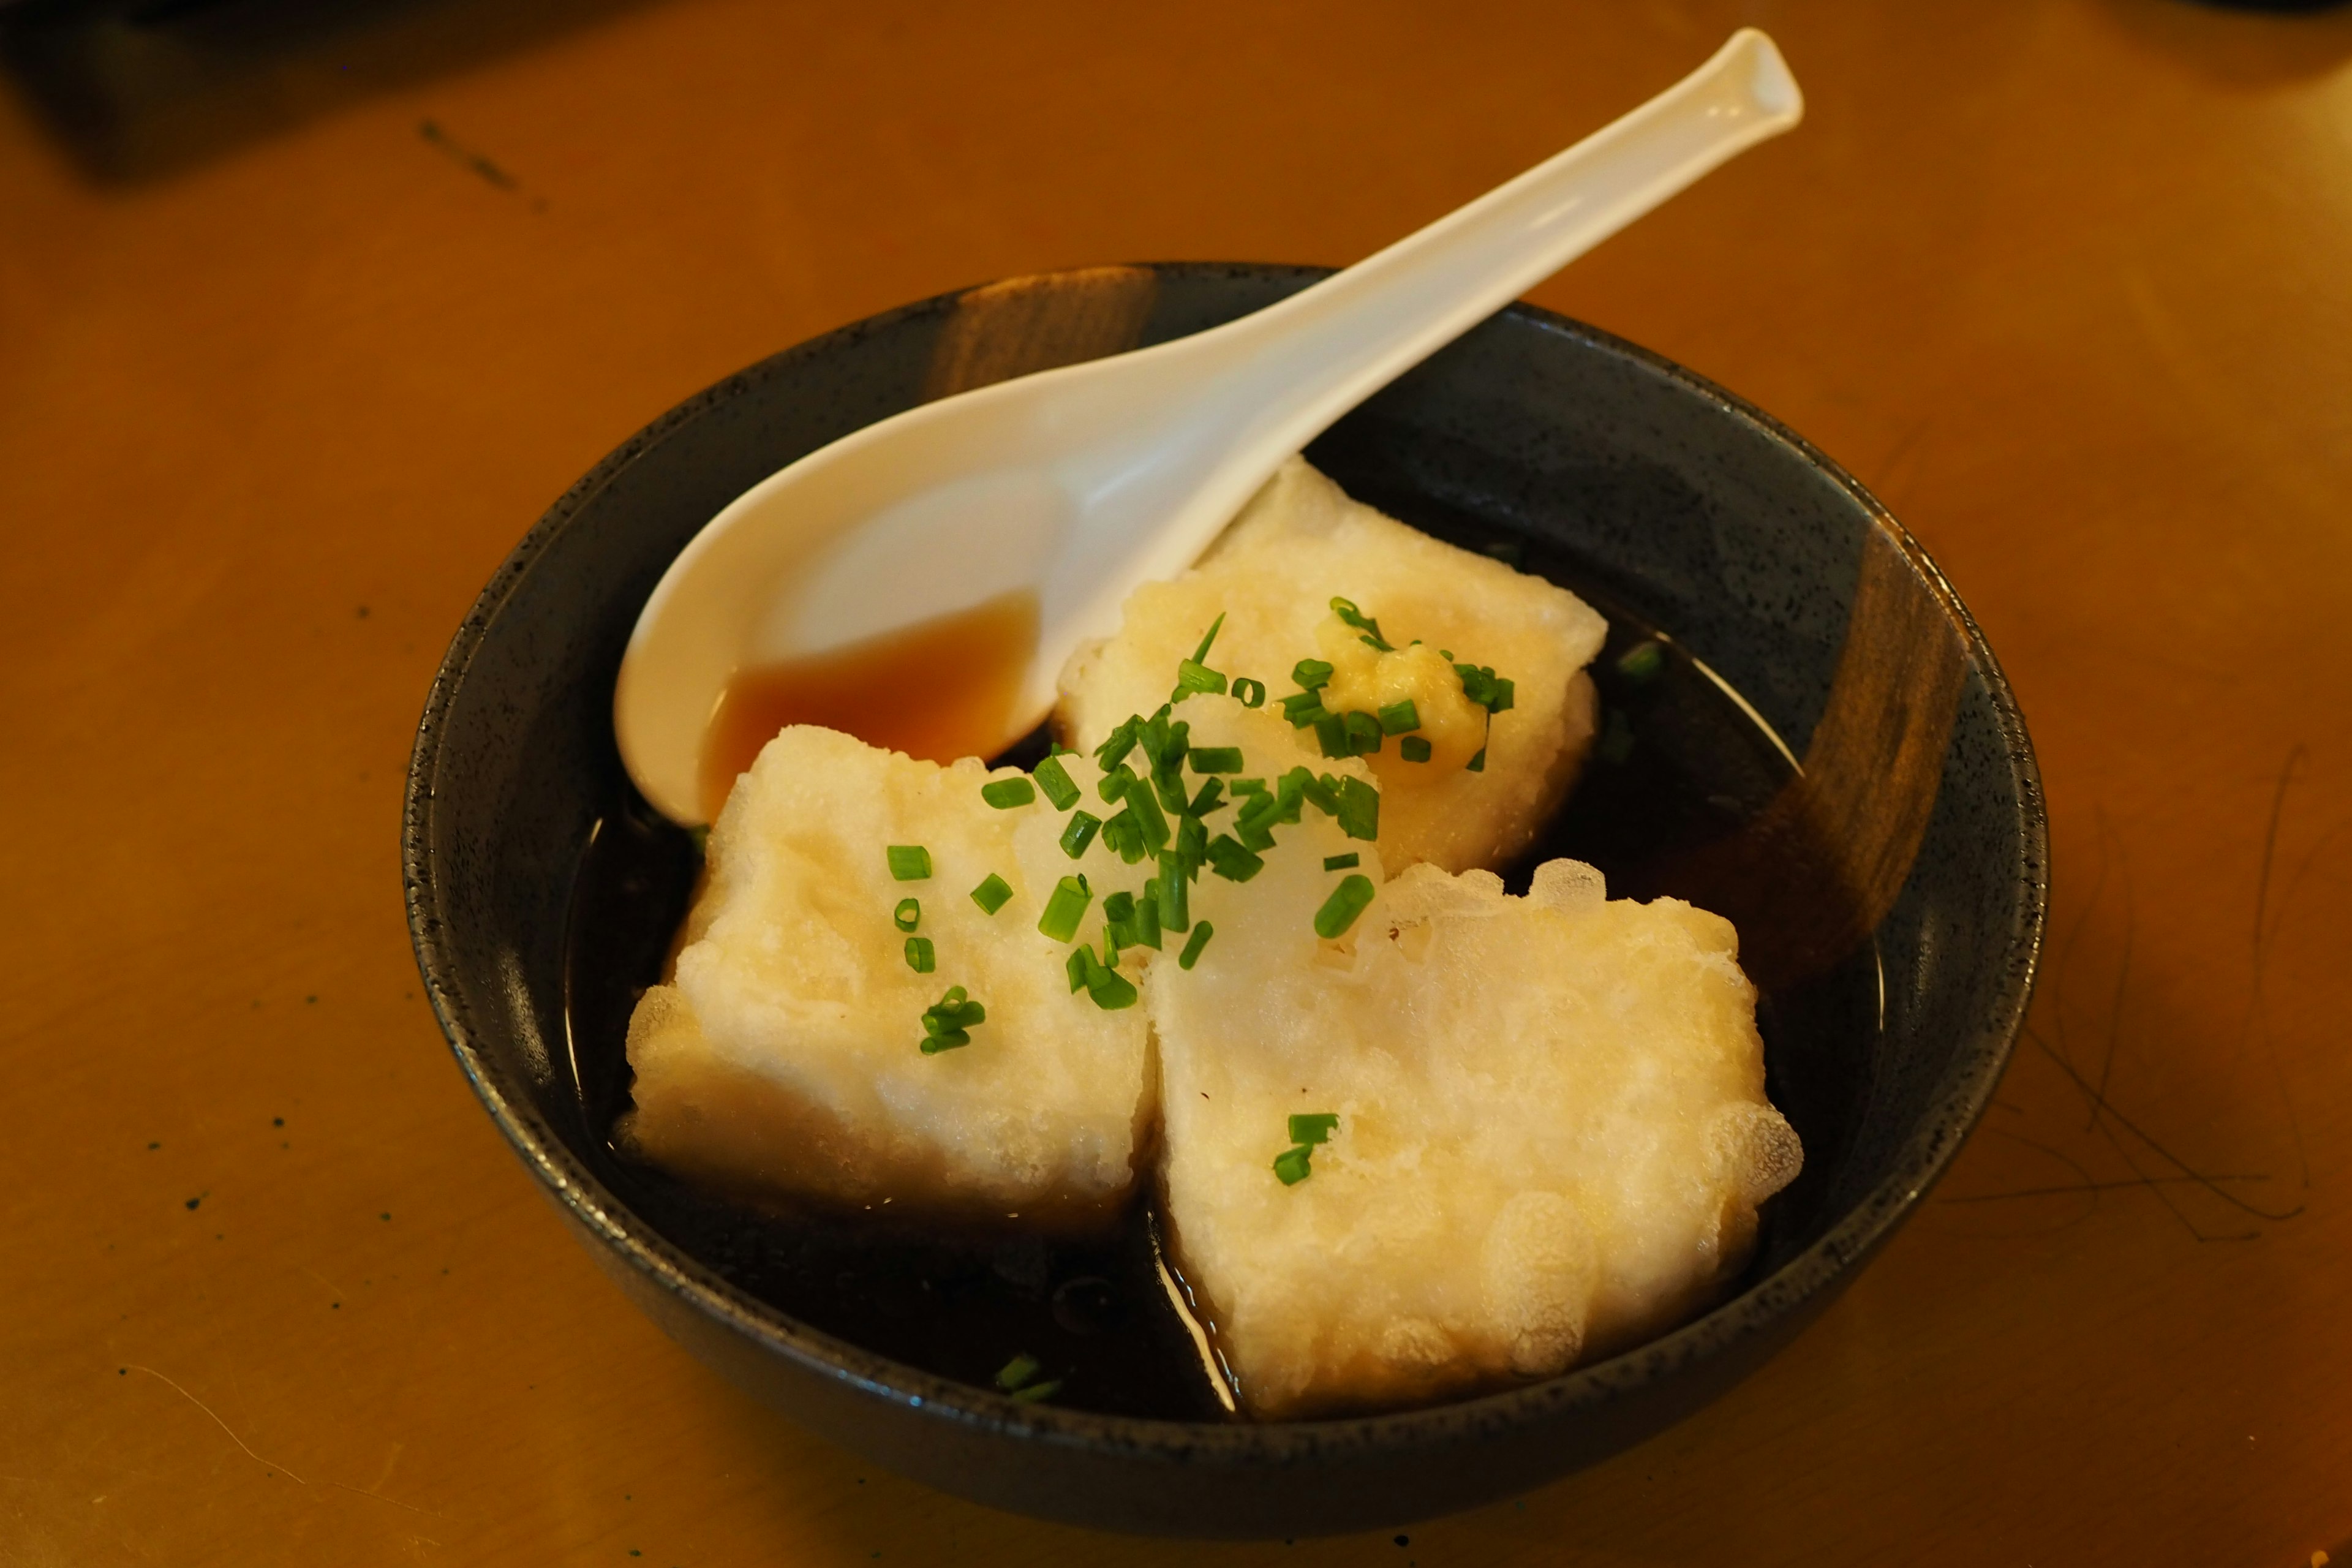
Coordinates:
(1680, 762)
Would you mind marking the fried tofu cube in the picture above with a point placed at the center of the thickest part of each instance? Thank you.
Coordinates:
(1300, 542)
(1551, 1136)
(785, 1060)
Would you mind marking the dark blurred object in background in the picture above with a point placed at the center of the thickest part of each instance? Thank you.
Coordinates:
(141, 88)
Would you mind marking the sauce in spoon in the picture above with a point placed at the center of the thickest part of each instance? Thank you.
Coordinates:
(939, 689)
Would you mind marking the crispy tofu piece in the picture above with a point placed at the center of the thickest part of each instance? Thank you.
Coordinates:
(785, 1060)
(1552, 1136)
(1272, 573)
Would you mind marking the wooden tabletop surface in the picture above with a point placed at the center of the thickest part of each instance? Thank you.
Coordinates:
(302, 324)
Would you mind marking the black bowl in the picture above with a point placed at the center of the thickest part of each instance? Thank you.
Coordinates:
(1665, 497)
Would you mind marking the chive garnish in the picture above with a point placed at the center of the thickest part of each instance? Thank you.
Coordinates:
(1331, 730)
(1398, 718)
(1055, 780)
(907, 915)
(1078, 966)
(1230, 860)
(1642, 662)
(1117, 782)
(1016, 1372)
(1249, 693)
(1209, 639)
(1175, 910)
(1360, 810)
(1293, 1165)
(1006, 793)
(1147, 917)
(1150, 818)
(1363, 734)
(1303, 709)
(1476, 764)
(1216, 759)
(1194, 944)
(1116, 746)
(1346, 610)
(993, 894)
(1310, 674)
(1414, 749)
(1484, 687)
(1111, 991)
(1315, 1127)
(1065, 908)
(947, 1025)
(1253, 831)
(920, 957)
(1192, 846)
(1037, 1393)
(1195, 677)
(908, 862)
(1211, 798)
(1324, 792)
(1342, 862)
(1346, 902)
(1079, 833)
(1123, 837)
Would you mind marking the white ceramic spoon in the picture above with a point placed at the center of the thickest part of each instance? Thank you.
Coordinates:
(1081, 483)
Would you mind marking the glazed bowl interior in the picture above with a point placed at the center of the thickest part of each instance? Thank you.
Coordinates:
(1896, 966)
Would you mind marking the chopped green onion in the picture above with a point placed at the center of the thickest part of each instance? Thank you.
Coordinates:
(934, 1044)
(1360, 810)
(1476, 764)
(1290, 792)
(907, 915)
(1249, 693)
(1616, 737)
(1246, 786)
(1055, 780)
(1292, 1165)
(1005, 794)
(1253, 831)
(1484, 687)
(1346, 610)
(1209, 639)
(1192, 676)
(1078, 966)
(1079, 833)
(1314, 1128)
(1303, 709)
(1310, 674)
(1346, 902)
(1117, 782)
(1116, 746)
(1123, 836)
(1216, 759)
(1017, 1371)
(920, 958)
(1111, 991)
(1642, 662)
(1170, 786)
(993, 894)
(1324, 792)
(1175, 910)
(1192, 846)
(908, 862)
(1065, 908)
(1342, 862)
(947, 1025)
(1398, 718)
(1149, 817)
(1230, 860)
(1118, 909)
(1194, 944)
(1414, 749)
(1038, 1391)
(1331, 730)
(1211, 798)
(1363, 734)
(1147, 916)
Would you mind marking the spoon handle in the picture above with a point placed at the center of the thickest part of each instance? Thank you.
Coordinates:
(1280, 376)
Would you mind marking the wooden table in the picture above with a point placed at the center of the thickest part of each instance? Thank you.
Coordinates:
(300, 332)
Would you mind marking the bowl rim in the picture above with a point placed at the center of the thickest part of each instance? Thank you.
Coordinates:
(1921, 1158)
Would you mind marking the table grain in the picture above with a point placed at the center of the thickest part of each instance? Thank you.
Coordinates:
(302, 323)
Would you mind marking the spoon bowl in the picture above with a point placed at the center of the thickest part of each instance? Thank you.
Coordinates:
(1074, 486)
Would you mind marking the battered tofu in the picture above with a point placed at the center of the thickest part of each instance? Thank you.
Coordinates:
(1272, 573)
(785, 1060)
(1551, 1136)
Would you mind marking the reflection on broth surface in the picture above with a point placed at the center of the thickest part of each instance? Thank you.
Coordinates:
(1681, 763)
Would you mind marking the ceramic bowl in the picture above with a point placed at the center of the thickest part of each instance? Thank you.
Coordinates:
(1901, 967)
